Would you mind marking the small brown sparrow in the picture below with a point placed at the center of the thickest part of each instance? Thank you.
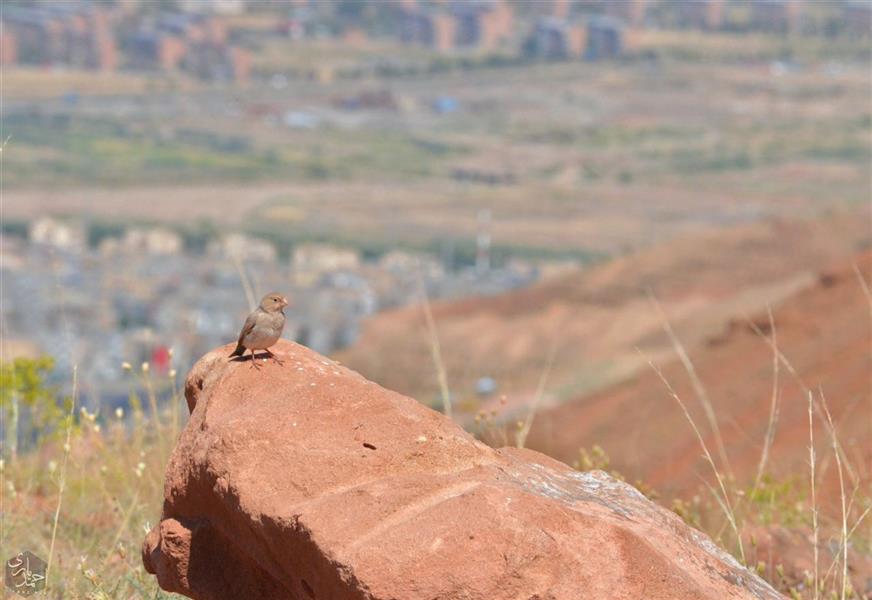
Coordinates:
(263, 327)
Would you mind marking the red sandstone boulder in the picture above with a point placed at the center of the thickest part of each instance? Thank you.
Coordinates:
(306, 481)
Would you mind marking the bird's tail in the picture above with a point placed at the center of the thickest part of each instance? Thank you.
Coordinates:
(240, 350)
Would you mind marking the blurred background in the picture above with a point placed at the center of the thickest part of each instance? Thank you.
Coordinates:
(506, 209)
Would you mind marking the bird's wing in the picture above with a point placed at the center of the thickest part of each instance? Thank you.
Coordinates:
(248, 326)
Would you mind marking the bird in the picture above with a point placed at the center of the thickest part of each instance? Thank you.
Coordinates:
(263, 327)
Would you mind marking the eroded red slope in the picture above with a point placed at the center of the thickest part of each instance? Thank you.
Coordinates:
(824, 333)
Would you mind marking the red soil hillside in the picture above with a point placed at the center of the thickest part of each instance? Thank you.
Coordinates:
(823, 331)
(595, 318)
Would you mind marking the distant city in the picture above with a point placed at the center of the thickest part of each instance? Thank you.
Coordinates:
(142, 297)
(219, 39)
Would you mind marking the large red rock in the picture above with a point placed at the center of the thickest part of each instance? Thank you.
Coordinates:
(306, 481)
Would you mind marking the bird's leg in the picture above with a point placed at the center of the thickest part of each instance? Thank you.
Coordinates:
(254, 360)
(274, 357)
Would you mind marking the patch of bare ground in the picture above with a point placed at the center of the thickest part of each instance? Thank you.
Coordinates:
(823, 332)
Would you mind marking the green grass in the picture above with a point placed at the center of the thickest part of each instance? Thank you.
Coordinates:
(105, 152)
(105, 480)
(55, 151)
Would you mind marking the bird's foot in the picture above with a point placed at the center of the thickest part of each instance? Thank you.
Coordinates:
(254, 364)
(275, 358)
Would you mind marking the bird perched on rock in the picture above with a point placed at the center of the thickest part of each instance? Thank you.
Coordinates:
(263, 327)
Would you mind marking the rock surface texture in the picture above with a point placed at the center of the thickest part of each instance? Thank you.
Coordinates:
(304, 481)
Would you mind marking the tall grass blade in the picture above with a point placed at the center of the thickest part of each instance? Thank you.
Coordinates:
(698, 387)
(724, 500)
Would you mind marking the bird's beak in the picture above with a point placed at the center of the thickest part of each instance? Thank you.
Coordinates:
(284, 301)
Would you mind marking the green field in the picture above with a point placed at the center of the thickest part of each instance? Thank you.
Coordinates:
(596, 158)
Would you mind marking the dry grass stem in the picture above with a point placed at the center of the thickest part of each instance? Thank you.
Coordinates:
(174, 405)
(435, 349)
(814, 511)
(844, 544)
(62, 478)
(122, 526)
(864, 285)
(855, 479)
(698, 387)
(250, 296)
(152, 401)
(773, 408)
(862, 516)
(521, 438)
(724, 501)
